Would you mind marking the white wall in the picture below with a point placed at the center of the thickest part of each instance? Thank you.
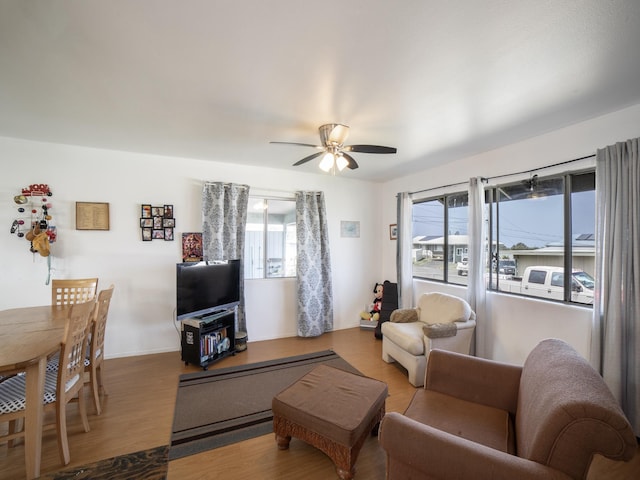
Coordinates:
(516, 325)
(142, 312)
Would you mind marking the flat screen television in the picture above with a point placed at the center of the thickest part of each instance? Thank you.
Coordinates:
(206, 287)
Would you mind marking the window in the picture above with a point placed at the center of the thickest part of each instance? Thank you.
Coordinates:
(270, 239)
(438, 256)
(541, 233)
(545, 227)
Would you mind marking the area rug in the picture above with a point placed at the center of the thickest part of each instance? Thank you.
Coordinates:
(147, 464)
(223, 406)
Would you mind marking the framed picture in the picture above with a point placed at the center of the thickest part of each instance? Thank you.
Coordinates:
(146, 211)
(157, 223)
(192, 247)
(92, 216)
(350, 229)
(393, 231)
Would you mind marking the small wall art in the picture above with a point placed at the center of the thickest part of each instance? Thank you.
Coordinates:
(350, 229)
(192, 247)
(157, 223)
(393, 231)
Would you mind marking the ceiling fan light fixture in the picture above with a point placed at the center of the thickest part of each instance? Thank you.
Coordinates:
(327, 162)
(341, 162)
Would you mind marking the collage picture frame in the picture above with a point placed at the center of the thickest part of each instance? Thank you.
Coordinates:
(157, 222)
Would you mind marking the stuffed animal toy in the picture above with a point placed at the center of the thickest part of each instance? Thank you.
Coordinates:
(374, 309)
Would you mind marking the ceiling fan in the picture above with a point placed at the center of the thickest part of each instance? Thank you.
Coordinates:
(335, 153)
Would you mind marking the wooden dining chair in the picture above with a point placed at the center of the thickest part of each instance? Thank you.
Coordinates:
(95, 355)
(60, 386)
(10, 414)
(75, 290)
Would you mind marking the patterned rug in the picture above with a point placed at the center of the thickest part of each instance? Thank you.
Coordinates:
(228, 405)
(147, 464)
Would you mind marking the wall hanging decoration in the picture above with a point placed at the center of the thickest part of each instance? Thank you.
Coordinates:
(192, 247)
(92, 216)
(157, 223)
(33, 219)
(350, 229)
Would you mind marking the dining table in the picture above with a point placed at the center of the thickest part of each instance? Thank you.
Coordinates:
(28, 336)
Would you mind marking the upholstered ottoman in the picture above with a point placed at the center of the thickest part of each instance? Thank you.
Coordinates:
(332, 410)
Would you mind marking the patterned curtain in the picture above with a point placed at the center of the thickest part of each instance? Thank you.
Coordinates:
(224, 220)
(315, 297)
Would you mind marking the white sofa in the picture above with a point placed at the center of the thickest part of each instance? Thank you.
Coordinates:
(439, 321)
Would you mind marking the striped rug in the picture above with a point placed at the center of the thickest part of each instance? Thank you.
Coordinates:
(228, 405)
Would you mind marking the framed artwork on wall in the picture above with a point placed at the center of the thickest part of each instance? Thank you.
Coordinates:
(393, 231)
(157, 223)
(192, 247)
(350, 229)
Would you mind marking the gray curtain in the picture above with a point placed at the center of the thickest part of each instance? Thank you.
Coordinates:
(404, 246)
(224, 221)
(315, 292)
(616, 309)
(476, 288)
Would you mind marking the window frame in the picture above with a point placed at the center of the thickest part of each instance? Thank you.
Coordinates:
(587, 183)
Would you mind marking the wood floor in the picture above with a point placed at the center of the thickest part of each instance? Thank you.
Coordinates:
(138, 413)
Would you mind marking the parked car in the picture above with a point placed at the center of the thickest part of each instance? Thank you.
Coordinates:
(548, 282)
(506, 267)
(463, 266)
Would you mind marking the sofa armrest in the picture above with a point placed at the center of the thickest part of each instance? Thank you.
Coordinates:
(404, 315)
(417, 450)
(474, 379)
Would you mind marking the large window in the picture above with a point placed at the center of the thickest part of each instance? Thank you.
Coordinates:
(270, 240)
(540, 232)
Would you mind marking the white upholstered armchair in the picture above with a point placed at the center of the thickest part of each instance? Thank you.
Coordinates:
(439, 321)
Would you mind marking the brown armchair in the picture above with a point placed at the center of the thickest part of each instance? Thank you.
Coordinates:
(480, 419)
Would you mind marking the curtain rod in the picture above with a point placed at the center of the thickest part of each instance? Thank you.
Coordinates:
(486, 179)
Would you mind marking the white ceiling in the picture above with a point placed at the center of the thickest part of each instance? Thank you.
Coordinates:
(219, 79)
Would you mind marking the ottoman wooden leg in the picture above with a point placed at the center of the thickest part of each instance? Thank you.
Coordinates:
(346, 474)
(283, 441)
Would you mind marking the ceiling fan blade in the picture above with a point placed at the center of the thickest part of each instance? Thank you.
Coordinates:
(352, 163)
(306, 159)
(301, 144)
(369, 149)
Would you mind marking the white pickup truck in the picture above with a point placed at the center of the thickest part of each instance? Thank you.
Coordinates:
(548, 282)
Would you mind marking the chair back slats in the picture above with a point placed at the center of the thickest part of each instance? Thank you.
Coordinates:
(72, 291)
(72, 353)
(95, 354)
(100, 322)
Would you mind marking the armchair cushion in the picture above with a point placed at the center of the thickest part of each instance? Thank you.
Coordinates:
(407, 336)
(479, 423)
(443, 308)
(440, 330)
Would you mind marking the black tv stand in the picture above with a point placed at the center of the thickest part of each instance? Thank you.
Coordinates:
(208, 338)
